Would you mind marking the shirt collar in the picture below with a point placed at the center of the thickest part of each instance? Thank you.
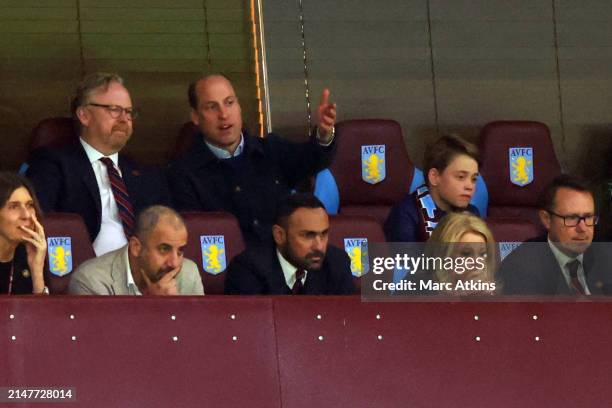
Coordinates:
(560, 256)
(93, 155)
(288, 270)
(220, 153)
(131, 285)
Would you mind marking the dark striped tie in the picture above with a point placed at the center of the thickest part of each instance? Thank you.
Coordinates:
(298, 287)
(573, 271)
(122, 198)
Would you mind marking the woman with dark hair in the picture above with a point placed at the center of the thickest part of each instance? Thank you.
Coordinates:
(23, 245)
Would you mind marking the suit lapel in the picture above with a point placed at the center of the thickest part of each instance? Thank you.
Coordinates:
(83, 167)
(276, 277)
(315, 281)
(118, 271)
(553, 274)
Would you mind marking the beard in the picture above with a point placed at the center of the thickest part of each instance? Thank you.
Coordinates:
(307, 262)
(153, 275)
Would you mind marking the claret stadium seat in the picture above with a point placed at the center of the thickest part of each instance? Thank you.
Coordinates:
(518, 161)
(68, 246)
(371, 170)
(214, 240)
(51, 132)
(185, 139)
(354, 233)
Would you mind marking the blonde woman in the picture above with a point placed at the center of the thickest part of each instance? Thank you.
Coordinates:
(466, 249)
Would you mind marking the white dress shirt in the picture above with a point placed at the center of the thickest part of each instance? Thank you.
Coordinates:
(111, 235)
(131, 285)
(562, 260)
(289, 270)
(221, 153)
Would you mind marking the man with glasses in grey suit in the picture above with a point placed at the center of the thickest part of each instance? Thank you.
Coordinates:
(564, 261)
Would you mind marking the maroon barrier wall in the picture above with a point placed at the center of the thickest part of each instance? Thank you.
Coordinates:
(308, 352)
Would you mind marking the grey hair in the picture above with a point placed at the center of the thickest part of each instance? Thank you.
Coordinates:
(150, 217)
(90, 83)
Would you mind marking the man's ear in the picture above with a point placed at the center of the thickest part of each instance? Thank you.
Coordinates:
(433, 176)
(82, 115)
(279, 234)
(544, 218)
(195, 118)
(134, 246)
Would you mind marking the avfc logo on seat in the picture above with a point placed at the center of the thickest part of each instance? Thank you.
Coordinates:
(213, 253)
(373, 168)
(521, 165)
(506, 247)
(59, 250)
(357, 250)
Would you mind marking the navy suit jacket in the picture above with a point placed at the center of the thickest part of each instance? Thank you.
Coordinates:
(248, 185)
(532, 269)
(64, 181)
(257, 271)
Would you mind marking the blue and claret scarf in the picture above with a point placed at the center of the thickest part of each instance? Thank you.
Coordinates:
(429, 212)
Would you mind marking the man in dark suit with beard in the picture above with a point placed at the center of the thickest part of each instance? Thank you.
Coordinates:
(564, 261)
(89, 176)
(299, 262)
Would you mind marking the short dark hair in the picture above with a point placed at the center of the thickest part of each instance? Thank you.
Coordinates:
(547, 198)
(90, 83)
(289, 204)
(443, 150)
(9, 182)
(192, 95)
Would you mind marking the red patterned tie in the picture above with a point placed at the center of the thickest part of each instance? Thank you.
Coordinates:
(122, 198)
(298, 287)
(573, 271)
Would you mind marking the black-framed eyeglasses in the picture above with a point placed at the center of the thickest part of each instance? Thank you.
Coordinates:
(115, 110)
(573, 220)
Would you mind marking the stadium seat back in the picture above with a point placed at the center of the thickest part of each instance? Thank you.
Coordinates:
(68, 246)
(214, 240)
(185, 139)
(52, 132)
(371, 167)
(354, 233)
(518, 161)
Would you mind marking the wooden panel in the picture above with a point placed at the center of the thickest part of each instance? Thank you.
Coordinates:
(5, 4)
(142, 3)
(141, 14)
(42, 26)
(39, 13)
(154, 27)
(144, 39)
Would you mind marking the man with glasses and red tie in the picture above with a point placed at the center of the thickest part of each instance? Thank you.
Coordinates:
(90, 176)
(564, 261)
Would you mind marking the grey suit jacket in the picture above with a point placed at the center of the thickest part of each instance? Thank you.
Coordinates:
(107, 275)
